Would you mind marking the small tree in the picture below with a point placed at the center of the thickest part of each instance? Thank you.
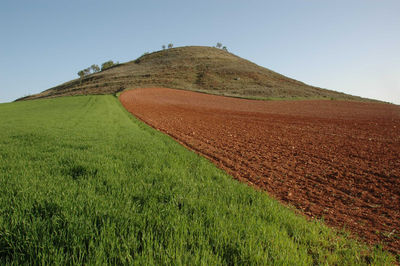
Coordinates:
(219, 45)
(107, 65)
(81, 74)
(87, 71)
(224, 48)
(163, 46)
(95, 68)
(170, 45)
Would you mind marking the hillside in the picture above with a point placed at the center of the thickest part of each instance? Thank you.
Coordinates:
(197, 68)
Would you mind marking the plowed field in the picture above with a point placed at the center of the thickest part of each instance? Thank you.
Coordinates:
(332, 159)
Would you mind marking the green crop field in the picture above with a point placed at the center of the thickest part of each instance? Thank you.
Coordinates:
(83, 182)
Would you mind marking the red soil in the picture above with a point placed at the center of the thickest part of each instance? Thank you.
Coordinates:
(332, 159)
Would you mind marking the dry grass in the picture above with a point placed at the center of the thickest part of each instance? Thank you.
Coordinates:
(204, 69)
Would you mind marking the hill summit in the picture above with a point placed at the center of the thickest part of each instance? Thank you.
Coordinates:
(196, 68)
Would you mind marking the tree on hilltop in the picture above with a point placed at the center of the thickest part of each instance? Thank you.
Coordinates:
(84, 72)
(219, 45)
(95, 68)
(170, 45)
(107, 65)
(81, 74)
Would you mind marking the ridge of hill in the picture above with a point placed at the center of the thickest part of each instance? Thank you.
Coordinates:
(196, 68)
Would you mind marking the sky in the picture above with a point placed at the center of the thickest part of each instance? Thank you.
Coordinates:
(351, 46)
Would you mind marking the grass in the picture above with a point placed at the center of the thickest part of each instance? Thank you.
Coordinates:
(83, 182)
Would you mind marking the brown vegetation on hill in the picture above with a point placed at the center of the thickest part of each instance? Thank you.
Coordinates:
(196, 68)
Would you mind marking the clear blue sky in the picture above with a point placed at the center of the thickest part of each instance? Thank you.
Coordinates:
(348, 46)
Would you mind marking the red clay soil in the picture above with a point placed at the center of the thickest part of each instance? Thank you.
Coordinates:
(332, 159)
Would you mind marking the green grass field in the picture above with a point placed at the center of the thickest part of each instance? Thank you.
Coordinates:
(83, 182)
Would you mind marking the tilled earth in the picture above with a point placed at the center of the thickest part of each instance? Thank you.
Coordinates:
(332, 159)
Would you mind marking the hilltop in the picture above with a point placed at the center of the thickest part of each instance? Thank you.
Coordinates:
(196, 68)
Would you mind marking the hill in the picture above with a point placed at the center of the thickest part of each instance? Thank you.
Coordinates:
(197, 68)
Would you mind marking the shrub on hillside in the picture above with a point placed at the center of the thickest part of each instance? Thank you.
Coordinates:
(107, 65)
(95, 68)
(84, 72)
(219, 46)
(81, 74)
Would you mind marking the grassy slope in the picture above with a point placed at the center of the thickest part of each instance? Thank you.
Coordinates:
(197, 68)
(81, 181)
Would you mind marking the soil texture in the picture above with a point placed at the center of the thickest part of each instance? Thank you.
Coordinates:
(335, 160)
